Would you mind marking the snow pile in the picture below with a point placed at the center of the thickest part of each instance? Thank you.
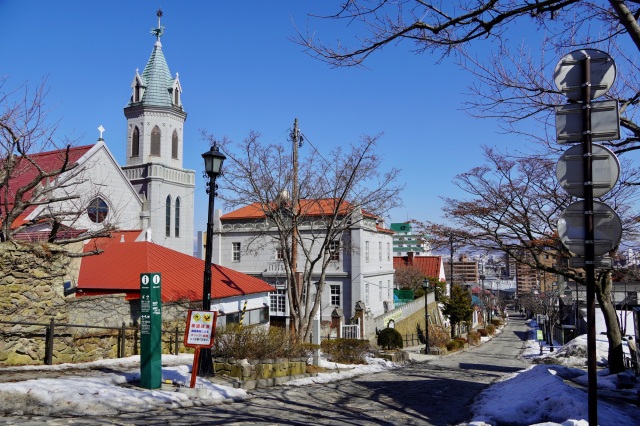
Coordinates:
(574, 353)
(106, 394)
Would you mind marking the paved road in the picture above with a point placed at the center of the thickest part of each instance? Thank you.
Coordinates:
(438, 391)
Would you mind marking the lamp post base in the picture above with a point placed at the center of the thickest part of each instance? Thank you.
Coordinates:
(205, 363)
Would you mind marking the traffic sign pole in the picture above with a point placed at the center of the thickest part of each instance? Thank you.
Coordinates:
(589, 244)
(584, 75)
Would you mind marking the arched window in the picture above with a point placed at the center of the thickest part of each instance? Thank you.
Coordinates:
(167, 221)
(135, 142)
(174, 144)
(176, 97)
(155, 141)
(97, 210)
(177, 219)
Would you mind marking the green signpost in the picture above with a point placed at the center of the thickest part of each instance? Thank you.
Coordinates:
(150, 331)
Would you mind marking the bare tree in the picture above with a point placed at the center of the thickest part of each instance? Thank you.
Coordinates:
(336, 191)
(27, 182)
(513, 88)
(408, 277)
(513, 207)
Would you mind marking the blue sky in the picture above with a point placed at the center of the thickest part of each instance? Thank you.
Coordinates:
(240, 72)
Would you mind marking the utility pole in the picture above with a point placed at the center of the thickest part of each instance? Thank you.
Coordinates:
(295, 139)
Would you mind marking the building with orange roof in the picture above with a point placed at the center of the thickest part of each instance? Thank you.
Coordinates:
(360, 270)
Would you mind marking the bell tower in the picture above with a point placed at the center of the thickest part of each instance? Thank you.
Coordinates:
(155, 122)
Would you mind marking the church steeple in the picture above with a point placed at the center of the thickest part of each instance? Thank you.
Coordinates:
(155, 87)
(155, 120)
(154, 112)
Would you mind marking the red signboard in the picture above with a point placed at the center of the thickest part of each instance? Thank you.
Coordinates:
(201, 327)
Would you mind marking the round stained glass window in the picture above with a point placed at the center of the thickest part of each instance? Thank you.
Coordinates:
(97, 210)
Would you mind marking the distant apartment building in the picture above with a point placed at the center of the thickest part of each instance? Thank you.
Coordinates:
(531, 280)
(465, 271)
(406, 241)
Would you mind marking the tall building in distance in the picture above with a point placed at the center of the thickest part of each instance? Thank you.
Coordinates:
(405, 241)
(465, 271)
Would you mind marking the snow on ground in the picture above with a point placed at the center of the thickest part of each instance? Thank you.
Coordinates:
(543, 394)
(539, 395)
(104, 394)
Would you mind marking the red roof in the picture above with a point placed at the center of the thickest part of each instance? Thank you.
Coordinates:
(25, 172)
(428, 265)
(320, 207)
(49, 161)
(118, 269)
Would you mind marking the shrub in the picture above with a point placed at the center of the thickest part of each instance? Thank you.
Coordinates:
(238, 342)
(454, 345)
(390, 338)
(497, 322)
(491, 329)
(462, 340)
(473, 337)
(438, 336)
(347, 351)
(483, 332)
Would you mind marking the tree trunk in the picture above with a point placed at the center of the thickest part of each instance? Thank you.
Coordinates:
(614, 336)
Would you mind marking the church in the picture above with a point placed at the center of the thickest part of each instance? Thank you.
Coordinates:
(152, 192)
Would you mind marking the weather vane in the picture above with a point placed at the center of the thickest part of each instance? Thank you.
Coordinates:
(160, 30)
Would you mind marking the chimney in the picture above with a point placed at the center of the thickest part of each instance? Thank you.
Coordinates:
(410, 258)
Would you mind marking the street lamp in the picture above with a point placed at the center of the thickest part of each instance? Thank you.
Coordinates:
(483, 300)
(213, 160)
(425, 286)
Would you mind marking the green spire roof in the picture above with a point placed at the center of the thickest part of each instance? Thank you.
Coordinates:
(157, 79)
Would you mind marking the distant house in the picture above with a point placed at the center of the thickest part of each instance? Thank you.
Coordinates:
(117, 271)
(430, 266)
(361, 267)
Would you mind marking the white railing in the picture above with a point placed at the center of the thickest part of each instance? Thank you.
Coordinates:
(351, 331)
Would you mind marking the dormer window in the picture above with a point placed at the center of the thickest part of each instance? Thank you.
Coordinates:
(176, 90)
(137, 92)
(137, 89)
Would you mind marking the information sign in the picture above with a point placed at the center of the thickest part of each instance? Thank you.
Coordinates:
(150, 331)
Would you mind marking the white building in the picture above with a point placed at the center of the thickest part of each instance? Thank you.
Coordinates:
(361, 268)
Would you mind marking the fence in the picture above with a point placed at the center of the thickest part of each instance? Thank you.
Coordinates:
(351, 331)
(174, 336)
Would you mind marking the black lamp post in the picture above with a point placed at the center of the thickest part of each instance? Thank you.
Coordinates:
(483, 300)
(213, 160)
(425, 287)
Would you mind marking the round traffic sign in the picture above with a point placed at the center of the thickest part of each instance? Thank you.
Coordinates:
(569, 77)
(605, 169)
(606, 225)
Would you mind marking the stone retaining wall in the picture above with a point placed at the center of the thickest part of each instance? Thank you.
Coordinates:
(251, 374)
(32, 277)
